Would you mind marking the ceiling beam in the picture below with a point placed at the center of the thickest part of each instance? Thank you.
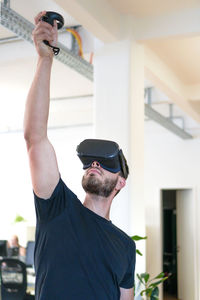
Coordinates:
(23, 28)
(98, 17)
(162, 77)
(166, 123)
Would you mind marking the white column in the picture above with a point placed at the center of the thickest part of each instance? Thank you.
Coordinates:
(136, 150)
(119, 116)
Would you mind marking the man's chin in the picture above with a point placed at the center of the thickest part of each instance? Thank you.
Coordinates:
(96, 186)
(93, 189)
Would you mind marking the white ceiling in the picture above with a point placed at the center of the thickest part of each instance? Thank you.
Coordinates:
(18, 59)
(181, 55)
(29, 9)
(151, 8)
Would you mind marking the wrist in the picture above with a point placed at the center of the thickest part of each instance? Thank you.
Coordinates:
(45, 59)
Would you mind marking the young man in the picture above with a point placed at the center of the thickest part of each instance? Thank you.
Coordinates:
(79, 253)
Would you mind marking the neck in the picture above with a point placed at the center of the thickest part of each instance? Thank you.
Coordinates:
(99, 205)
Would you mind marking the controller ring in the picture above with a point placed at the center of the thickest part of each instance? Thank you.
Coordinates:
(50, 16)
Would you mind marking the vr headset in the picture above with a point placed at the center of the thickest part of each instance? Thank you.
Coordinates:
(106, 153)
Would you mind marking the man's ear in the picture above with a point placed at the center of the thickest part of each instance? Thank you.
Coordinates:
(120, 183)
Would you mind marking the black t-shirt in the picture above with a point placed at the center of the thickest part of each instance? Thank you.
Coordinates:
(78, 254)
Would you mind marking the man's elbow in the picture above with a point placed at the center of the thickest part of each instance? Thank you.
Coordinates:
(32, 138)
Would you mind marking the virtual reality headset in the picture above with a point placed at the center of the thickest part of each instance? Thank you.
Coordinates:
(106, 153)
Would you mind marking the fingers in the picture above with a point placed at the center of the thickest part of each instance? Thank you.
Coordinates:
(55, 26)
(39, 16)
(55, 32)
(42, 32)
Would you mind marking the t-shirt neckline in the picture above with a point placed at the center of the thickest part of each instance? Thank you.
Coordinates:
(96, 215)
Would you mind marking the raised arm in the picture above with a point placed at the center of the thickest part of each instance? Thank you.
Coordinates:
(43, 163)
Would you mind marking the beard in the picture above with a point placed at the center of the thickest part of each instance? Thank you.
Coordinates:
(93, 185)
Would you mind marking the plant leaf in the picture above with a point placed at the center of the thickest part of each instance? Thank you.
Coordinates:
(154, 284)
(19, 218)
(145, 276)
(161, 275)
(142, 292)
(147, 292)
(140, 279)
(138, 252)
(138, 238)
(155, 294)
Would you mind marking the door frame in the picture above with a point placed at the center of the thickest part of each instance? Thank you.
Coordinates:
(195, 243)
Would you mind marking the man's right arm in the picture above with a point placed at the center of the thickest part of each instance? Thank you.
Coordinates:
(42, 157)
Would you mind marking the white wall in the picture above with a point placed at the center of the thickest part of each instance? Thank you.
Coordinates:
(170, 163)
(16, 189)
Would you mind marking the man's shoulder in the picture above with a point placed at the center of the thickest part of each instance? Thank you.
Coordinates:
(124, 236)
(65, 188)
(61, 199)
(62, 189)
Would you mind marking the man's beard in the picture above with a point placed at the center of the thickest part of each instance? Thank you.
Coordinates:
(93, 185)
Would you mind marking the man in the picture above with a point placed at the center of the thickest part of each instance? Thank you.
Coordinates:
(79, 253)
(15, 249)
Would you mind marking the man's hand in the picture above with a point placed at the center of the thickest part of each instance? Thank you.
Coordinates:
(44, 31)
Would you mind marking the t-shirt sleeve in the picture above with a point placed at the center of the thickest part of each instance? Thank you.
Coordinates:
(129, 277)
(47, 209)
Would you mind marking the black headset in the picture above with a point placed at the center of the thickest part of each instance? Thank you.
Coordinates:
(106, 152)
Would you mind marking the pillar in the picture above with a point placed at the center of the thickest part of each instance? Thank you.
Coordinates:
(119, 116)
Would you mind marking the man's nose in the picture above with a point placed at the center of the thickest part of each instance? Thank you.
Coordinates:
(95, 164)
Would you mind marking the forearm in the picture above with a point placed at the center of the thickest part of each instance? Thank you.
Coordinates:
(37, 105)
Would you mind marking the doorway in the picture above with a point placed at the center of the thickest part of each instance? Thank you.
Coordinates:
(179, 236)
(170, 286)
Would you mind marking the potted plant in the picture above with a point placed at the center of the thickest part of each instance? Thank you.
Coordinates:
(146, 285)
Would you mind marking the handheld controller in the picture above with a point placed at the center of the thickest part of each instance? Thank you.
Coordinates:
(49, 17)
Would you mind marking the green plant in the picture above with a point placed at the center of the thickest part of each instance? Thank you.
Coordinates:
(149, 286)
(138, 238)
(18, 219)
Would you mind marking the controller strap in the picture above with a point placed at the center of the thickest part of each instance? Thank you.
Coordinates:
(56, 50)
